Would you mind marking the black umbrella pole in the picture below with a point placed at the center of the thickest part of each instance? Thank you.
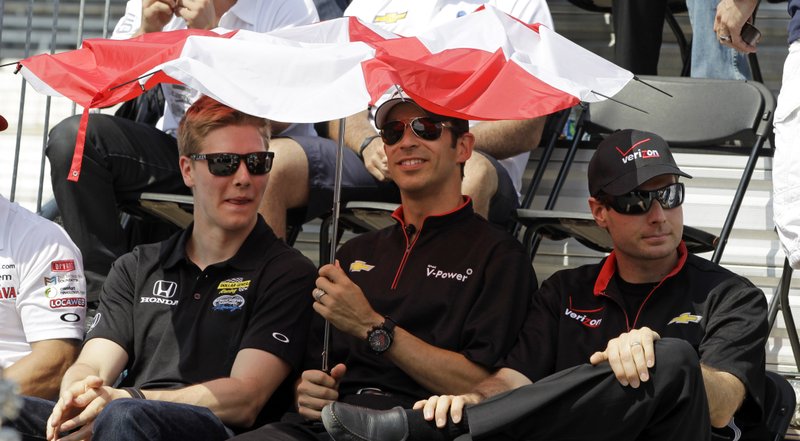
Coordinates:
(337, 199)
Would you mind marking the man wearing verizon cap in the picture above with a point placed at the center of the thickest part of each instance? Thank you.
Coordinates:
(42, 299)
(428, 305)
(652, 343)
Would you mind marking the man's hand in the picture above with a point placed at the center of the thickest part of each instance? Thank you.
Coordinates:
(730, 18)
(344, 304)
(198, 14)
(375, 160)
(630, 356)
(316, 389)
(78, 406)
(438, 407)
(156, 14)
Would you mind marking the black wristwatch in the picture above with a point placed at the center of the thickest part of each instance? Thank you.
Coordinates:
(380, 337)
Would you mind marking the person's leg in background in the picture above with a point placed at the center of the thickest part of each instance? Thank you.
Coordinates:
(31, 421)
(121, 160)
(710, 59)
(638, 27)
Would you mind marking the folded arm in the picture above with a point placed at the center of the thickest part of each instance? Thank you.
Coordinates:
(237, 399)
(725, 394)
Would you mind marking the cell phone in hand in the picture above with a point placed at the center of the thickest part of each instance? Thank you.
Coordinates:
(750, 34)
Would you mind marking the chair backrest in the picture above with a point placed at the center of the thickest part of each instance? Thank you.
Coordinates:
(779, 405)
(700, 114)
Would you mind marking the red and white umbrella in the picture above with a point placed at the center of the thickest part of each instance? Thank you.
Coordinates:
(484, 66)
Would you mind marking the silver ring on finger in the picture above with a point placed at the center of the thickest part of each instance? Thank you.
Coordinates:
(318, 293)
(724, 38)
(635, 343)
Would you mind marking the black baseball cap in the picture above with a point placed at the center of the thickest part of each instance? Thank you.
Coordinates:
(627, 159)
(382, 113)
(3, 123)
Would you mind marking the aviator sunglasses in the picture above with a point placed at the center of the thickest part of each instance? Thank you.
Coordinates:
(226, 164)
(424, 127)
(639, 201)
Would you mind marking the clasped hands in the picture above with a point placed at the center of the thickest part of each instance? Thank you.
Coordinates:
(78, 406)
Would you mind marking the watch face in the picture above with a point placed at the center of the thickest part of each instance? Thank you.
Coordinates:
(379, 340)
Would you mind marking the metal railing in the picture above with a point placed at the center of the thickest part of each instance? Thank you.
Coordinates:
(27, 28)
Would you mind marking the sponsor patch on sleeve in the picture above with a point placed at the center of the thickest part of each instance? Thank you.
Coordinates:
(62, 266)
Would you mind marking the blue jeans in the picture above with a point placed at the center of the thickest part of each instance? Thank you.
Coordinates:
(710, 59)
(129, 420)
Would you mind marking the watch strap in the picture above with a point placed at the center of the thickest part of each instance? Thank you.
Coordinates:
(135, 393)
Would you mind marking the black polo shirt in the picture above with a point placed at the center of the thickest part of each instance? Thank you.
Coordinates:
(461, 285)
(577, 311)
(182, 326)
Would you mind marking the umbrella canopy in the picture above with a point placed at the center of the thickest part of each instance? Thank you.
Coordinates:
(483, 66)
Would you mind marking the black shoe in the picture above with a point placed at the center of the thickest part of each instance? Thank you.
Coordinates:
(350, 423)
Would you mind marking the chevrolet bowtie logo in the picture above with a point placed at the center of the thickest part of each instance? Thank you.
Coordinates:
(685, 318)
(360, 265)
(391, 17)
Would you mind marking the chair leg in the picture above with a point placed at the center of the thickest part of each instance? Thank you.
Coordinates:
(788, 317)
(292, 232)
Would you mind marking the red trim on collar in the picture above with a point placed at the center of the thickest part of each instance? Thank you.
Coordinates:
(398, 213)
(610, 267)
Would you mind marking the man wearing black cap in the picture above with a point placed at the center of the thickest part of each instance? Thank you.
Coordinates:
(428, 305)
(654, 323)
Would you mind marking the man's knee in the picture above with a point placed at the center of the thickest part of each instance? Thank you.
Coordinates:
(289, 175)
(61, 141)
(479, 171)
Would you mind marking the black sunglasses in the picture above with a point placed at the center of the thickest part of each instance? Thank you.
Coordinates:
(226, 164)
(424, 127)
(639, 201)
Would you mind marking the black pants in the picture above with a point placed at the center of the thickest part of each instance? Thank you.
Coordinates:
(638, 27)
(587, 402)
(121, 160)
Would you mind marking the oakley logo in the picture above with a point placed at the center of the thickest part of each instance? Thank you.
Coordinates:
(583, 319)
(280, 337)
(165, 289)
(70, 318)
